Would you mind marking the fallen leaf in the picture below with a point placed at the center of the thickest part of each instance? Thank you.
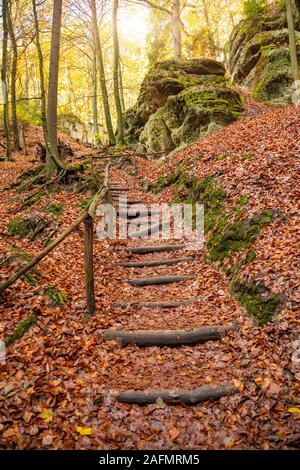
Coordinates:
(174, 433)
(294, 410)
(47, 416)
(47, 440)
(84, 431)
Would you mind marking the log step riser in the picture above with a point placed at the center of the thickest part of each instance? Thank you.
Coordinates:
(146, 264)
(156, 281)
(187, 397)
(165, 337)
(155, 249)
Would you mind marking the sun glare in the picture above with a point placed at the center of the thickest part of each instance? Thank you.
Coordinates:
(134, 23)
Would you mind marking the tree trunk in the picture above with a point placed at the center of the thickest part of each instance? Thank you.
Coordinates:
(211, 41)
(13, 81)
(121, 88)
(116, 66)
(176, 31)
(110, 132)
(4, 82)
(22, 139)
(70, 91)
(26, 84)
(41, 72)
(52, 159)
(53, 88)
(88, 262)
(96, 132)
(292, 40)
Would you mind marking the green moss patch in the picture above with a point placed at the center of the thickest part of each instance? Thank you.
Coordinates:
(258, 301)
(226, 233)
(55, 209)
(58, 296)
(19, 228)
(247, 156)
(20, 330)
(228, 237)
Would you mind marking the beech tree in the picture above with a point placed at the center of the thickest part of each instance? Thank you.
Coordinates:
(101, 69)
(13, 78)
(116, 69)
(292, 41)
(5, 12)
(52, 160)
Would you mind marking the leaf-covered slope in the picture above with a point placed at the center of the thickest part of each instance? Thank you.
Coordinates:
(247, 177)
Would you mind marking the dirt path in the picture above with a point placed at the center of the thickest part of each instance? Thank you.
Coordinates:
(64, 365)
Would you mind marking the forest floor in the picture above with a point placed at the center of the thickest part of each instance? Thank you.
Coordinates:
(54, 374)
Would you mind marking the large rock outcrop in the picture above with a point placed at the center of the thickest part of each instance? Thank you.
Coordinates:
(180, 102)
(259, 57)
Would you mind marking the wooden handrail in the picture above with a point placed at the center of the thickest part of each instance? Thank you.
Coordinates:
(101, 196)
(87, 217)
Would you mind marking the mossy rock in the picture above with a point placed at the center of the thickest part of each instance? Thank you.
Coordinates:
(193, 113)
(273, 78)
(259, 56)
(168, 79)
(192, 66)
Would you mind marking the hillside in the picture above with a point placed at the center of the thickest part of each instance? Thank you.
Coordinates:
(61, 378)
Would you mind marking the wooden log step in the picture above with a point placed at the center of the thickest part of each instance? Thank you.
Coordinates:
(149, 230)
(114, 189)
(135, 213)
(143, 250)
(187, 397)
(163, 304)
(156, 281)
(129, 202)
(144, 338)
(161, 262)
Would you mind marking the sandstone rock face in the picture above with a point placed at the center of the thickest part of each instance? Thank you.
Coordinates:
(259, 56)
(180, 102)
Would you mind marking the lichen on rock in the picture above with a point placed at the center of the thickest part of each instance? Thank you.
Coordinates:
(259, 56)
(180, 102)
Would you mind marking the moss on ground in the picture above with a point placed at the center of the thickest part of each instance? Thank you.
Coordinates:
(55, 209)
(58, 296)
(226, 233)
(20, 330)
(19, 228)
(258, 301)
(33, 276)
(237, 235)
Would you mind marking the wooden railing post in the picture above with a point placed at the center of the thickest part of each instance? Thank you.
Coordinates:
(101, 196)
(88, 261)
